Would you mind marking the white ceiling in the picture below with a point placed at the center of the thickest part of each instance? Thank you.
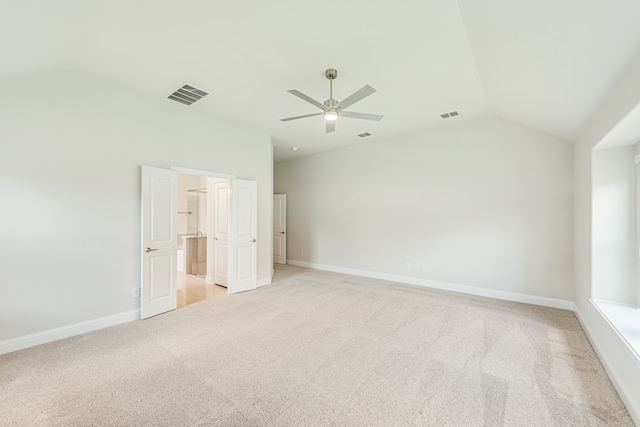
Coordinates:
(539, 63)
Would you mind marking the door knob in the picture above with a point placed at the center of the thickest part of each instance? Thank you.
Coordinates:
(253, 241)
(149, 250)
(282, 232)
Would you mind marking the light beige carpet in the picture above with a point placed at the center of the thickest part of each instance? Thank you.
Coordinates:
(320, 349)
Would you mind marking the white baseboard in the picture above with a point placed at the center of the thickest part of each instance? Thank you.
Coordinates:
(490, 293)
(51, 335)
(606, 354)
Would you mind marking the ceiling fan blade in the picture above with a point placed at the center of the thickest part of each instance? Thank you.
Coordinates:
(307, 98)
(363, 116)
(331, 126)
(301, 117)
(355, 97)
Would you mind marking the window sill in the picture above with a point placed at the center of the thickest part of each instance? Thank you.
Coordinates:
(625, 319)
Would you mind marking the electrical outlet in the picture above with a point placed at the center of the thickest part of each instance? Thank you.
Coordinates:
(302, 253)
(424, 267)
(407, 266)
(135, 292)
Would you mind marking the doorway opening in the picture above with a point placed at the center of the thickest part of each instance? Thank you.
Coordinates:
(232, 253)
(198, 258)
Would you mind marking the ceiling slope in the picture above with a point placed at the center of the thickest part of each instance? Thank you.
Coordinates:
(549, 64)
(542, 64)
(248, 54)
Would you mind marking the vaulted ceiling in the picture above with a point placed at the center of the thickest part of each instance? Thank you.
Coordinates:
(544, 64)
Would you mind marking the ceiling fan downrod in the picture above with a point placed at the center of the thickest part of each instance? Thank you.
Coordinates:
(331, 74)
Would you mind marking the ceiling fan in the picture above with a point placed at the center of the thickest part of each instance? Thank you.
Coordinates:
(332, 109)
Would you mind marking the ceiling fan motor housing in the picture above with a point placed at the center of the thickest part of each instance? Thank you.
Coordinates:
(331, 73)
(330, 103)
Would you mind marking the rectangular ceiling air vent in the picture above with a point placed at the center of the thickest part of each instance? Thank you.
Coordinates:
(364, 135)
(187, 95)
(450, 114)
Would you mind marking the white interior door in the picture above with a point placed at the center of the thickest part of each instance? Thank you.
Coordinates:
(159, 241)
(280, 228)
(221, 232)
(244, 253)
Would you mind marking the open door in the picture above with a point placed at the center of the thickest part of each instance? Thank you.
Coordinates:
(221, 232)
(244, 259)
(159, 241)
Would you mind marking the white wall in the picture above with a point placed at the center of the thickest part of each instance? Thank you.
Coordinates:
(637, 225)
(614, 225)
(71, 147)
(485, 204)
(620, 363)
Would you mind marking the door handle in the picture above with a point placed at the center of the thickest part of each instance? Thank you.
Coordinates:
(253, 241)
(149, 250)
(282, 232)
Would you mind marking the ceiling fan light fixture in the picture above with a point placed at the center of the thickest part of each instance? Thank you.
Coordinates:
(331, 115)
(332, 109)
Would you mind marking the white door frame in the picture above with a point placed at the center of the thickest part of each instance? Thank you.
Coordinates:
(189, 171)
